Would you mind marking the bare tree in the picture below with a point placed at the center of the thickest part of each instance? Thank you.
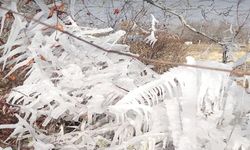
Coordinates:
(227, 45)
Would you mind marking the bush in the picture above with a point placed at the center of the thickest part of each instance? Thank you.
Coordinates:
(168, 47)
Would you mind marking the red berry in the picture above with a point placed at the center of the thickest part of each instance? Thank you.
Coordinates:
(116, 11)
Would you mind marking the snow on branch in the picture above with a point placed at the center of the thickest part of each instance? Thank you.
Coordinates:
(151, 39)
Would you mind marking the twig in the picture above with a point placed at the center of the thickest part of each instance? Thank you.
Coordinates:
(238, 21)
(90, 13)
(122, 88)
(183, 21)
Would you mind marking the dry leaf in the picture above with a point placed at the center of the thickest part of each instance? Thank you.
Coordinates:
(12, 77)
(56, 8)
(59, 27)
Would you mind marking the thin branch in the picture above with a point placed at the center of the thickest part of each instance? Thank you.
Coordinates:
(90, 13)
(238, 20)
(183, 21)
(122, 88)
(242, 25)
(234, 72)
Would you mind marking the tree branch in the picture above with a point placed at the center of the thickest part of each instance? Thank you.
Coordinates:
(183, 21)
(238, 21)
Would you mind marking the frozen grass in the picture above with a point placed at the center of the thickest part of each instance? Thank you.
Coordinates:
(212, 51)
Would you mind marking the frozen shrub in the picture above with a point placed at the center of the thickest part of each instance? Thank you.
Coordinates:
(168, 47)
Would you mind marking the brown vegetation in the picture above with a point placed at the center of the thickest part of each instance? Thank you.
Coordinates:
(171, 47)
(168, 47)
